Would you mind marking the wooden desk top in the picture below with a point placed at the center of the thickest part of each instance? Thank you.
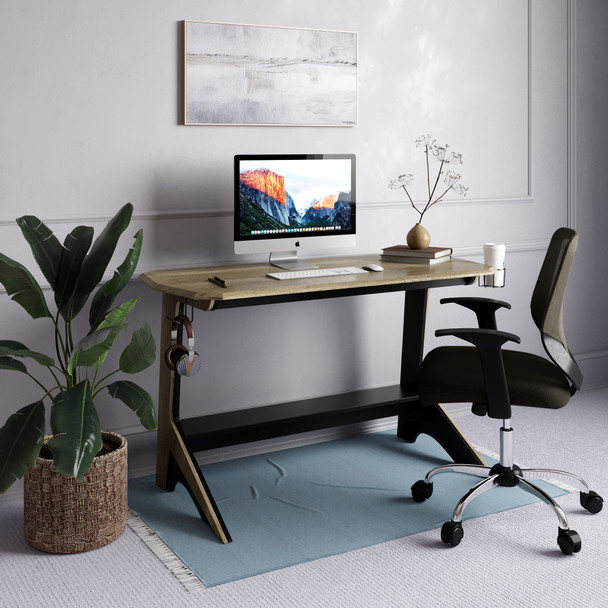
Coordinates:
(246, 281)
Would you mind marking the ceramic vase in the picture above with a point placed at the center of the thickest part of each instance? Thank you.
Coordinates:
(418, 237)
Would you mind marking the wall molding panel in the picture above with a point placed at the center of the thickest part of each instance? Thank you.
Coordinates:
(515, 85)
(187, 214)
(571, 195)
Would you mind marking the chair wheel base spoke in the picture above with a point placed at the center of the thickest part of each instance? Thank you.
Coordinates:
(452, 533)
(592, 501)
(569, 541)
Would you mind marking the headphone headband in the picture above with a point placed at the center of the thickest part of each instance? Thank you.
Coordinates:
(186, 322)
(179, 357)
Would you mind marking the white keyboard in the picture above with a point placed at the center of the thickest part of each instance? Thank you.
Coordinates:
(315, 272)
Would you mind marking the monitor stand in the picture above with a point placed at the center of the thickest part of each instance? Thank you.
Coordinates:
(288, 260)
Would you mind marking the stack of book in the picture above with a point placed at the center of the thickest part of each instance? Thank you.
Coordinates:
(405, 255)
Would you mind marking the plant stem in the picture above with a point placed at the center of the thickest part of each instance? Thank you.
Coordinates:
(411, 201)
(440, 198)
(94, 381)
(60, 346)
(68, 331)
(429, 203)
(436, 181)
(69, 341)
(55, 377)
(428, 172)
(103, 380)
(46, 391)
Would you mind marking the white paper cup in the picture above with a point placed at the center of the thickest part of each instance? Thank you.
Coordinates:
(494, 254)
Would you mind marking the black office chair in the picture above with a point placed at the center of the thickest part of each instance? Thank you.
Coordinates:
(493, 379)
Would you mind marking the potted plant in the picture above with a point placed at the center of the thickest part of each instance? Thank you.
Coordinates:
(72, 383)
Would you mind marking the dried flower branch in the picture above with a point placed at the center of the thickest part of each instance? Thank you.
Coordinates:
(450, 178)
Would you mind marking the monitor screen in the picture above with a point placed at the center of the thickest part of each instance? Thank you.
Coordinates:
(285, 203)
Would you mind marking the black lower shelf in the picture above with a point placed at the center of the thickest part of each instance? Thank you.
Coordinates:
(277, 420)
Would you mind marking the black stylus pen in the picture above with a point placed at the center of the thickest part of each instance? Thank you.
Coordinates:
(218, 281)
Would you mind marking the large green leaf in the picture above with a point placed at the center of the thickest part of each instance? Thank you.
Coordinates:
(89, 350)
(75, 248)
(99, 256)
(118, 315)
(45, 246)
(9, 363)
(76, 429)
(12, 348)
(20, 441)
(116, 319)
(137, 399)
(140, 353)
(107, 293)
(17, 280)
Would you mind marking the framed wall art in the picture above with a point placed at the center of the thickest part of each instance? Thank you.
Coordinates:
(237, 74)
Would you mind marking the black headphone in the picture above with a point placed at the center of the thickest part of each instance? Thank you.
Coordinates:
(178, 357)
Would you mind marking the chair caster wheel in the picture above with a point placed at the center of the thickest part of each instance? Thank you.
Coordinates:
(452, 533)
(569, 541)
(592, 501)
(422, 490)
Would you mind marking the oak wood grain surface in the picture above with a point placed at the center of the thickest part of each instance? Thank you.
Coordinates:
(250, 280)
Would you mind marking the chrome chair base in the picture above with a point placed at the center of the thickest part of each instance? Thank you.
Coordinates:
(506, 474)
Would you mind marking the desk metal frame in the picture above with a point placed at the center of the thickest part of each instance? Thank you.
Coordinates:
(178, 439)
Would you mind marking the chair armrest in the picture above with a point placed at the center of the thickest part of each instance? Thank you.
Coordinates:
(479, 336)
(489, 345)
(484, 308)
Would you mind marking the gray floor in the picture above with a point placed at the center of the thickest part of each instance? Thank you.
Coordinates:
(507, 559)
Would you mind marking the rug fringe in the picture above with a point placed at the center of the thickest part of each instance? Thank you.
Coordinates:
(175, 565)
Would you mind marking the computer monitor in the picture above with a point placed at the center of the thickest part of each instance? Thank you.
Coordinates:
(285, 203)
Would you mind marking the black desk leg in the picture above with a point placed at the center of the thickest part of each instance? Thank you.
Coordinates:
(431, 420)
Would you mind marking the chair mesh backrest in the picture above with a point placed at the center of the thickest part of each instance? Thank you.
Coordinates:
(548, 299)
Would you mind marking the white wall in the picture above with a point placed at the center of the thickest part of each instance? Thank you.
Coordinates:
(91, 112)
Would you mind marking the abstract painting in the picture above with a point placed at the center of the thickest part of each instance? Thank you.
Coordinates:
(238, 74)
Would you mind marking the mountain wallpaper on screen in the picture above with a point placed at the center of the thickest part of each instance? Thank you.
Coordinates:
(265, 204)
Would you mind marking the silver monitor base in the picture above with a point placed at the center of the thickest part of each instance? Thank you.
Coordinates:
(288, 260)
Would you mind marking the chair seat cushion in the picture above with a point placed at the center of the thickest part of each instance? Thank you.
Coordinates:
(452, 374)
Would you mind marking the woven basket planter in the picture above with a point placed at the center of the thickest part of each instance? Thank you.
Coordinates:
(64, 515)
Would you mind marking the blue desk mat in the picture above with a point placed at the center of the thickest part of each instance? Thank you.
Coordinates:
(295, 505)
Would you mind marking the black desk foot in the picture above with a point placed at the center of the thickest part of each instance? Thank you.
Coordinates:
(433, 421)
